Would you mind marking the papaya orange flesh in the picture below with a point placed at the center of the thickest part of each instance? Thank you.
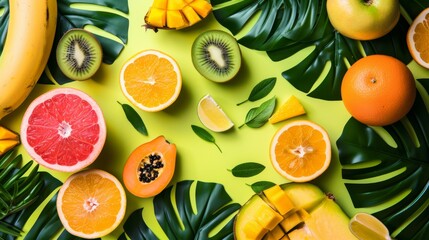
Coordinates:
(150, 168)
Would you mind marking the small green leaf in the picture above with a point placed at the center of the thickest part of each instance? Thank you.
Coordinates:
(260, 186)
(205, 135)
(261, 90)
(134, 118)
(248, 169)
(257, 117)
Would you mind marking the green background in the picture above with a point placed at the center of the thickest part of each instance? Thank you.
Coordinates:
(198, 159)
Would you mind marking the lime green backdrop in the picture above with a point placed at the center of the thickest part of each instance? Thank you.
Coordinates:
(198, 159)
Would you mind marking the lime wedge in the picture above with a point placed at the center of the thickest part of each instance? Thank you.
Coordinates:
(212, 116)
(365, 226)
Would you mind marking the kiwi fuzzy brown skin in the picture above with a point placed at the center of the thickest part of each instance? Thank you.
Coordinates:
(226, 47)
(82, 42)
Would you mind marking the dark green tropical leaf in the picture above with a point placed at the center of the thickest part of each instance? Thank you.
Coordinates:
(283, 28)
(213, 206)
(205, 135)
(248, 169)
(134, 118)
(399, 154)
(260, 186)
(260, 90)
(70, 17)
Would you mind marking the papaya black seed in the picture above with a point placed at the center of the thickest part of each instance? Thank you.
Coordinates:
(149, 168)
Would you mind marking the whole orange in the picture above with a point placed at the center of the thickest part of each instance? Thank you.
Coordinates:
(378, 90)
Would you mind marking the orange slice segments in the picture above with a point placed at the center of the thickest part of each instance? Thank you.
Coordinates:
(151, 80)
(91, 203)
(300, 151)
(418, 38)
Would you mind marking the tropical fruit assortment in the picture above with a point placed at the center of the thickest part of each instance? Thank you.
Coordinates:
(64, 129)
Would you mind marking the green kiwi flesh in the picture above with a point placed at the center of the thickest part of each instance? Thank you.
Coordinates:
(79, 54)
(216, 55)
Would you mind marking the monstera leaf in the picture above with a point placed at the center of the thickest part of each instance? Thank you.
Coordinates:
(177, 217)
(380, 167)
(69, 16)
(283, 28)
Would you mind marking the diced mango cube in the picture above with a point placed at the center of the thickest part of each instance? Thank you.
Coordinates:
(176, 4)
(175, 19)
(291, 221)
(156, 17)
(279, 199)
(191, 15)
(275, 234)
(202, 7)
(302, 233)
(253, 230)
(268, 217)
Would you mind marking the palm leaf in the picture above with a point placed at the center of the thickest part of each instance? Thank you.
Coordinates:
(283, 28)
(366, 154)
(213, 208)
(71, 17)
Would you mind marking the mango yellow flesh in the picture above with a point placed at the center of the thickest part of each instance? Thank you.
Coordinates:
(312, 214)
(177, 14)
(8, 140)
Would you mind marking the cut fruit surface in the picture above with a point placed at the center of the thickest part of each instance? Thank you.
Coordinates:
(177, 14)
(300, 151)
(63, 129)
(212, 116)
(91, 203)
(418, 37)
(8, 140)
(291, 108)
(366, 226)
(151, 80)
(216, 55)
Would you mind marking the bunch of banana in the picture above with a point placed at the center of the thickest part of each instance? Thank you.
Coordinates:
(176, 14)
(8, 140)
(28, 44)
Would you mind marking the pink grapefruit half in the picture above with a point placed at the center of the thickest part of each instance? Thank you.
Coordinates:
(64, 130)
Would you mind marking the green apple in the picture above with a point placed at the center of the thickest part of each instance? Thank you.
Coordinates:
(363, 19)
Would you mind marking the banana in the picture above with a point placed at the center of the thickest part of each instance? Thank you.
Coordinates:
(28, 44)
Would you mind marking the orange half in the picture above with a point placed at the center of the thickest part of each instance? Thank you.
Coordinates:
(91, 203)
(300, 151)
(418, 38)
(151, 80)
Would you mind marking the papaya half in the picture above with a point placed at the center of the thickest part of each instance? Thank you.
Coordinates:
(150, 167)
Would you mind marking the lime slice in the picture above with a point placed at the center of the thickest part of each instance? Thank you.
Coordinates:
(212, 116)
(365, 226)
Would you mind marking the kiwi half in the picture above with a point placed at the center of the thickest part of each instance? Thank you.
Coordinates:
(216, 55)
(79, 54)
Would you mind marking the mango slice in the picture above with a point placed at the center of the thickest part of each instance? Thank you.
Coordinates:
(253, 230)
(8, 140)
(267, 217)
(279, 199)
(176, 14)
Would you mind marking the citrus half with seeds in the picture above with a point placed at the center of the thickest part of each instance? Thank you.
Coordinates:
(151, 80)
(300, 151)
(212, 116)
(63, 129)
(91, 203)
